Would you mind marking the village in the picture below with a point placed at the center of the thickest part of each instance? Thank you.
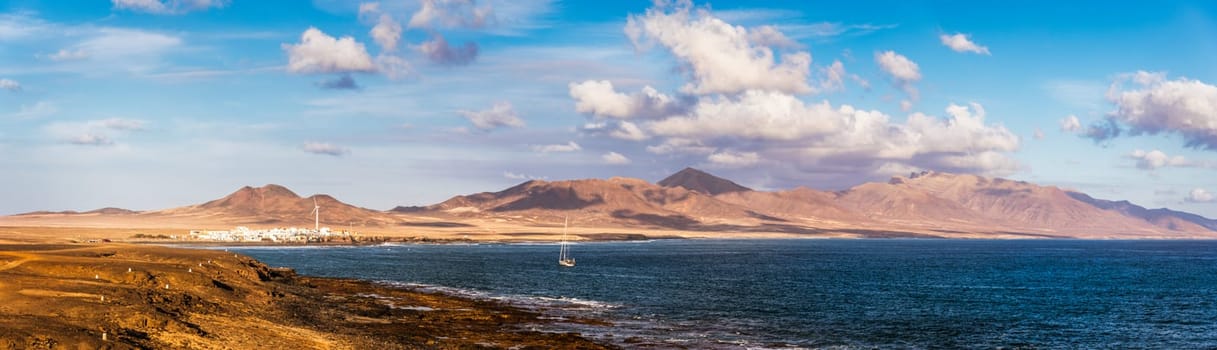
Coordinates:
(278, 234)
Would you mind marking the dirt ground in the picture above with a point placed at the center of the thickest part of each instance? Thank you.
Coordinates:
(122, 296)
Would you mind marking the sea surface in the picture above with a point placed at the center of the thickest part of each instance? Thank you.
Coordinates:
(889, 293)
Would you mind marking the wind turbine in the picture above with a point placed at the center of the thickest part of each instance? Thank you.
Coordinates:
(317, 217)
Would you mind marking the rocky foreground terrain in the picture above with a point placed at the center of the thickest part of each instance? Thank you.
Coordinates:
(118, 296)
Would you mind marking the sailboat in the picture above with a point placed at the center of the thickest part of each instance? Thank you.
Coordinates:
(564, 258)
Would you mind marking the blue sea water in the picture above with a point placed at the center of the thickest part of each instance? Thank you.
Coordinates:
(898, 293)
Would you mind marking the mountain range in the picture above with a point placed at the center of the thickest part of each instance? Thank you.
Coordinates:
(693, 203)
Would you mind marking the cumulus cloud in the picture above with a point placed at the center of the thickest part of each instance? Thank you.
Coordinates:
(438, 51)
(1155, 105)
(756, 115)
(628, 131)
(342, 82)
(822, 134)
(1157, 159)
(502, 114)
(719, 57)
(325, 148)
(321, 53)
(619, 129)
(393, 67)
(452, 14)
(834, 77)
(614, 158)
(386, 33)
(903, 71)
(599, 98)
(167, 7)
(959, 42)
(10, 85)
(1070, 124)
(1200, 195)
(568, 147)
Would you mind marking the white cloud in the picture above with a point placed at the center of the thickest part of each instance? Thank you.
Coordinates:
(321, 53)
(518, 176)
(770, 36)
(628, 131)
(122, 124)
(387, 32)
(37, 110)
(749, 122)
(733, 159)
(614, 158)
(452, 14)
(502, 114)
(367, 9)
(898, 66)
(600, 99)
(1070, 124)
(959, 42)
(438, 51)
(117, 44)
(568, 147)
(325, 148)
(1038, 134)
(1200, 195)
(720, 57)
(167, 7)
(904, 72)
(906, 105)
(20, 26)
(1156, 105)
(1157, 159)
(10, 85)
(90, 140)
(102, 132)
(68, 55)
(834, 77)
(675, 145)
(785, 129)
(393, 67)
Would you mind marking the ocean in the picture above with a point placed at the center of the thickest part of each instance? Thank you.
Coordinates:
(881, 293)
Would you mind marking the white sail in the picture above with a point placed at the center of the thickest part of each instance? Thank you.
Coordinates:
(564, 258)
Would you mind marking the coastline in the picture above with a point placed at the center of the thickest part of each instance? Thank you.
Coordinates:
(144, 296)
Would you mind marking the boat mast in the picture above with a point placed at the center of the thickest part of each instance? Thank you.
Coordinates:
(562, 250)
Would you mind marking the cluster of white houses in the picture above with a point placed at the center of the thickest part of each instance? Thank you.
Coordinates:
(280, 234)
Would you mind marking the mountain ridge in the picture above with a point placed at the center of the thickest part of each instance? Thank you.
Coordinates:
(920, 204)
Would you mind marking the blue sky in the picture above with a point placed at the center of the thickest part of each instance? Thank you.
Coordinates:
(147, 104)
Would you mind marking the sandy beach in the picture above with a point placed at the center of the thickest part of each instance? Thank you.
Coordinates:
(119, 296)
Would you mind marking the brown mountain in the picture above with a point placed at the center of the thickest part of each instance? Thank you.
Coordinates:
(1162, 217)
(617, 200)
(921, 204)
(940, 199)
(700, 181)
(928, 202)
(276, 205)
(101, 211)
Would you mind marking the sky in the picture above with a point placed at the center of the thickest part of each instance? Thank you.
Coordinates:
(150, 104)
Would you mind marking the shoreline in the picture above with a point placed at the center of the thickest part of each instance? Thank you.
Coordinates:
(146, 296)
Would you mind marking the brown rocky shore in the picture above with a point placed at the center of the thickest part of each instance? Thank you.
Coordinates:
(120, 296)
